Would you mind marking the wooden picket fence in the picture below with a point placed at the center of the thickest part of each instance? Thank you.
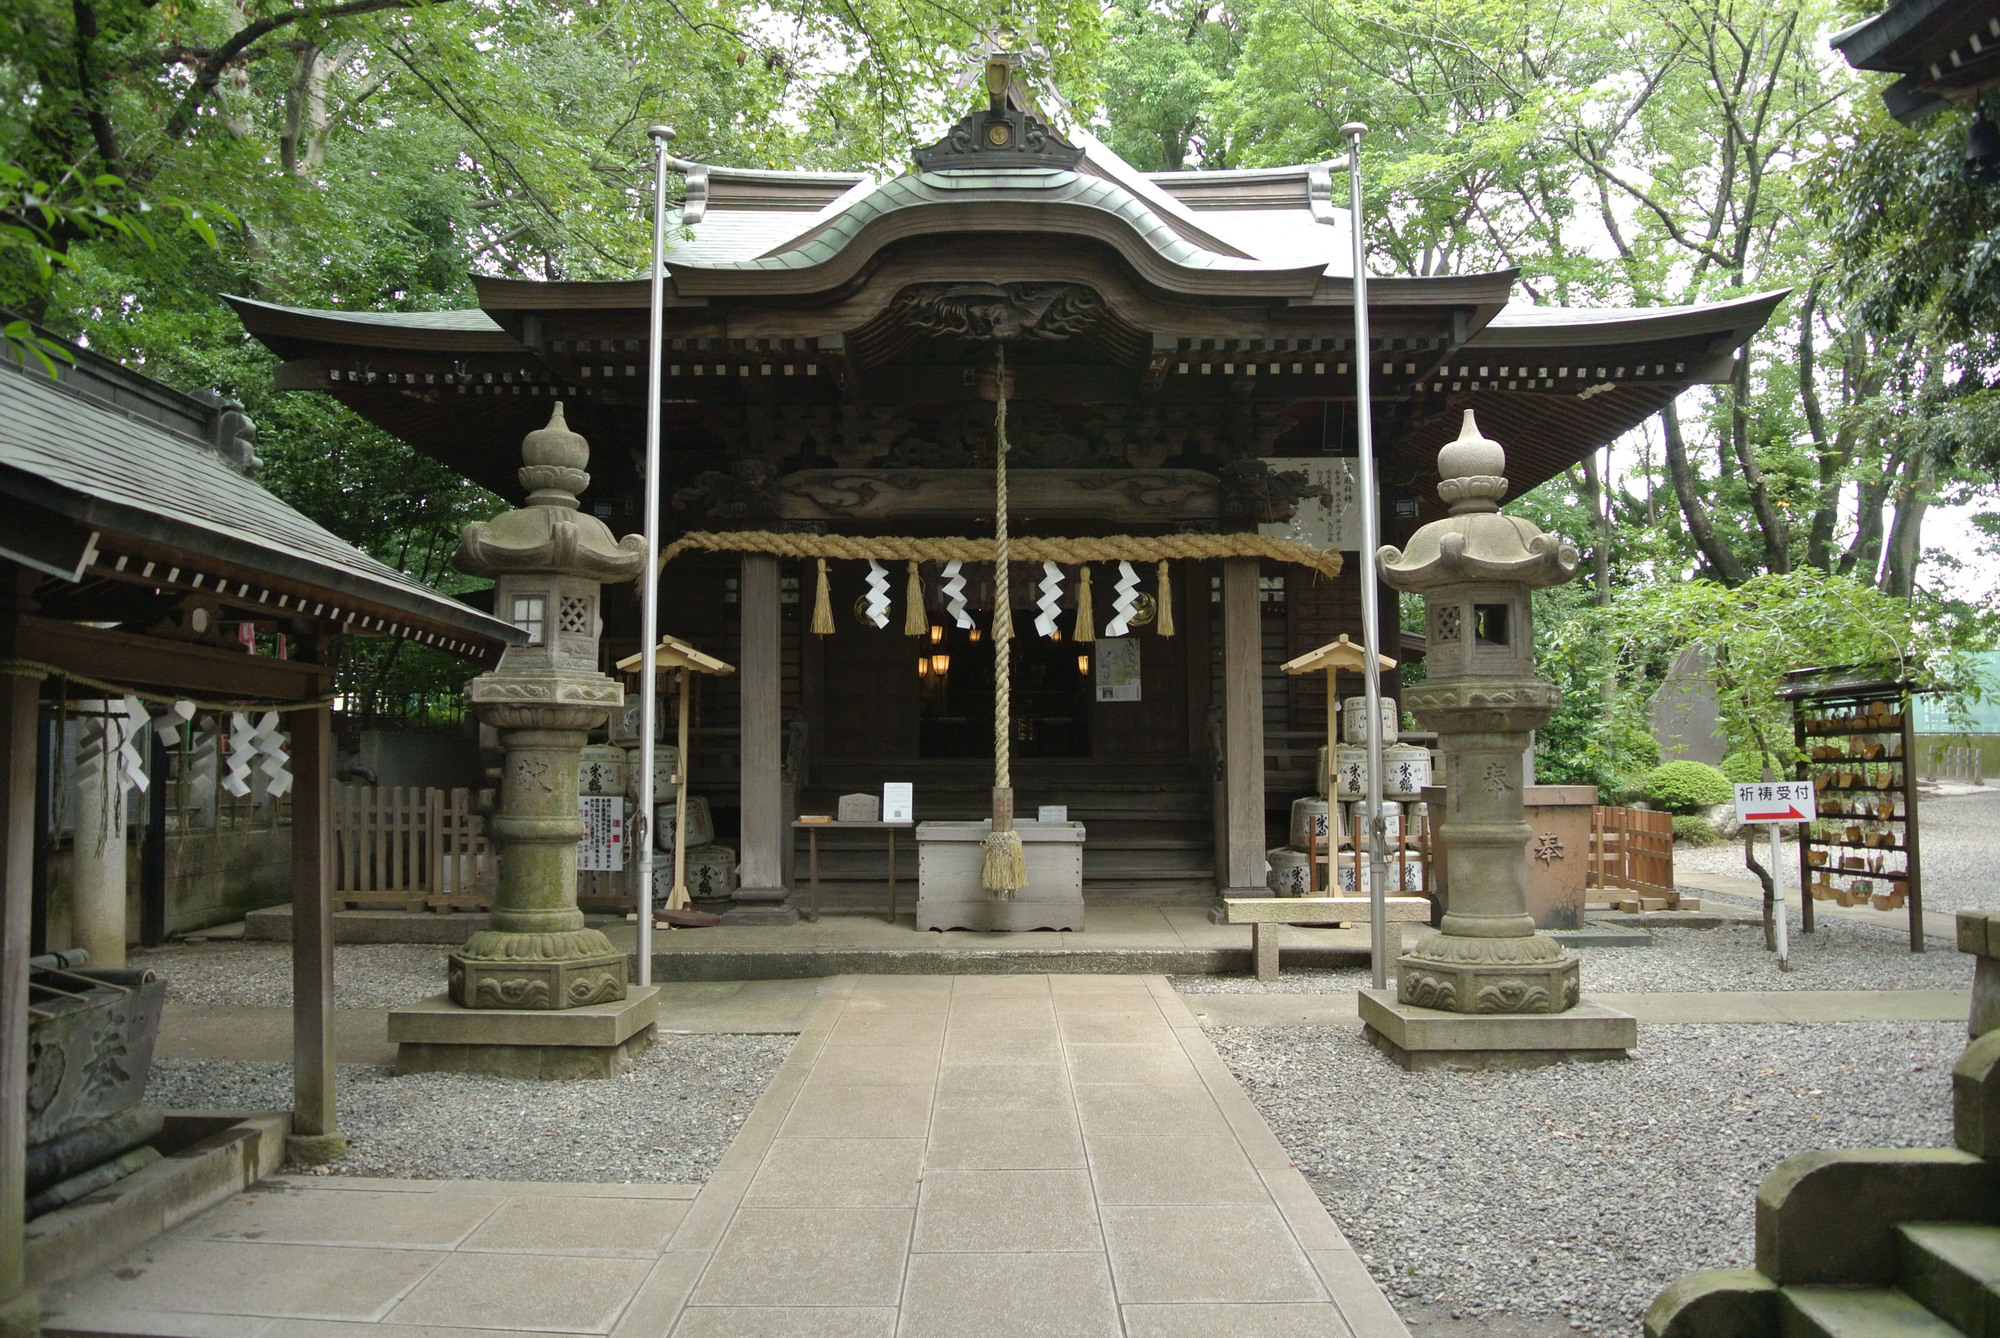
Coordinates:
(1631, 848)
(410, 848)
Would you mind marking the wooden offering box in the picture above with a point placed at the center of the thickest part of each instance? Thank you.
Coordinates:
(949, 857)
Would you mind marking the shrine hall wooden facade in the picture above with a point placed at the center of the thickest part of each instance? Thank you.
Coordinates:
(825, 333)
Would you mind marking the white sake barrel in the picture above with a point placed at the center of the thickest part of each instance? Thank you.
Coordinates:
(700, 826)
(1354, 720)
(1312, 824)
(1287, 877)
(1406, 769)
(600, 770)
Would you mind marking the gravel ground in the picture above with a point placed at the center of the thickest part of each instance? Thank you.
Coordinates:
(669, 1120)
(1838, 955)
(1959, 834)
(259, 975)
(1578, 1191)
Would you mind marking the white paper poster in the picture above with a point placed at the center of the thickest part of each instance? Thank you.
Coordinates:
(1117, 669)
(602, 849)
(1336, 527)
(899, 803)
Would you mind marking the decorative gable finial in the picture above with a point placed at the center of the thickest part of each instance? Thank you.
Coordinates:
(1003, 134)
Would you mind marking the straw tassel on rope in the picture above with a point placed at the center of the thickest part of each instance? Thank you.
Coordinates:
(915, 621)
(1003, 866)
(1165, 597)
(1086, 616)
(823, 605)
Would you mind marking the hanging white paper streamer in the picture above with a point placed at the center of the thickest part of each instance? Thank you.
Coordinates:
(954, 594)
(201, 766)
(878, 594)
(242, 752)
(1050, 600)
(1125, 603)
(275, 766)
(168, 723)
(131, 729)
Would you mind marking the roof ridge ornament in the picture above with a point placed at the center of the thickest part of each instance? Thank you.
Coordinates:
(1003, 134)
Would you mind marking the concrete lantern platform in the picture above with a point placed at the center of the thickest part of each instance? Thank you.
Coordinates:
(1429, 1038)
(595, 1041)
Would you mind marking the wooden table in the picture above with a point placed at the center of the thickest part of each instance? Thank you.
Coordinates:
(813, 829)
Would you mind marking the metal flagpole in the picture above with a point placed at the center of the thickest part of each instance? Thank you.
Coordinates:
(1371, 524)
(649, 581)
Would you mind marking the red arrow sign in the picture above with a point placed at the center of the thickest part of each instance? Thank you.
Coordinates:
(1790, 814)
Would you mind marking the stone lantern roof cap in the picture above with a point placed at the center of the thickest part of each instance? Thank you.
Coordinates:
(550, 534)
(1476, 542)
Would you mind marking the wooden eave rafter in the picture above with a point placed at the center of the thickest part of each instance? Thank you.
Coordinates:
(151, 663)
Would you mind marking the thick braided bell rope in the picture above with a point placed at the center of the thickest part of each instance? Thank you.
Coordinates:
(1068, 552)
(1003, 866)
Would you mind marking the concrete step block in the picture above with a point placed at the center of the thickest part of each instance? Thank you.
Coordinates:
(1953, 1268)
(1848, 1312)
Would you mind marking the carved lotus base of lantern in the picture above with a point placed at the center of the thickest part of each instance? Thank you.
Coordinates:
(1460, 974)
(537, 971)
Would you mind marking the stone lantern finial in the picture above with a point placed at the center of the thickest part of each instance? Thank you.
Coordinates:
(1472, 470)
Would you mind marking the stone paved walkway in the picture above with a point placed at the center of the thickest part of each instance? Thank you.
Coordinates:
(974, 1155)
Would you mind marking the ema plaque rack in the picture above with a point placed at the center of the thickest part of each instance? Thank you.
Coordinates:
(1857, 742)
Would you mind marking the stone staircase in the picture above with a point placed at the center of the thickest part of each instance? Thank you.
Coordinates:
(1149, 835)
(1947, 1283)
(1876, 1242)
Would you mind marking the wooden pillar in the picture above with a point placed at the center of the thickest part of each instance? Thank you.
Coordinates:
(761, 893)
(1243, 725)
(19, 715)
(316, 1135)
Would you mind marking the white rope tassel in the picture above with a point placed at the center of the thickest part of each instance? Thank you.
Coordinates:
(1049, 602)
(877, 607)
(1125, 602)
(953, 587)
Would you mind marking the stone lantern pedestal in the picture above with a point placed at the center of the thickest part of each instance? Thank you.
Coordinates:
(538, 993)
(1484, 990)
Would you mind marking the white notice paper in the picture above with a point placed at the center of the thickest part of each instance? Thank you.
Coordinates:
(1052, 813)
(602, 849)
(1118, 669)
(899, 802)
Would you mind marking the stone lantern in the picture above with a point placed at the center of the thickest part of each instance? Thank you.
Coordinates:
(548, 559)
(1477, 571)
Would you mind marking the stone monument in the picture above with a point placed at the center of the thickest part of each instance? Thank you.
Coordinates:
(1485, 989)
(548, 559)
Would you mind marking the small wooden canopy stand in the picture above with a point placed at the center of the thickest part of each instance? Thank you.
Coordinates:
(673, 653)
(1334, 656)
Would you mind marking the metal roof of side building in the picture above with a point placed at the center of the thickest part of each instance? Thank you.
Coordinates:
(102, 463)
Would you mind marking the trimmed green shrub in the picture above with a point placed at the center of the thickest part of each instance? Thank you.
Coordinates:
(1688, 787)
(1743, 766)
(1695, 830)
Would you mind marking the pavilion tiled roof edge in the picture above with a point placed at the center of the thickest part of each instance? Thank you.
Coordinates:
(121, 474)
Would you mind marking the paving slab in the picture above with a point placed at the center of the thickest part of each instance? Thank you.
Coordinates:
(914, 1168)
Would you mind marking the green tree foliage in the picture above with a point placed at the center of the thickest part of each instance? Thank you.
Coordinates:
(374, 154)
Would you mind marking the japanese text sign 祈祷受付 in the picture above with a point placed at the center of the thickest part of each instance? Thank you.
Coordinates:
(1776, 801)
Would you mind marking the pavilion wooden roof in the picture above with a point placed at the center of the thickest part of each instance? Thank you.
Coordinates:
(1338, 654)
(674, 653)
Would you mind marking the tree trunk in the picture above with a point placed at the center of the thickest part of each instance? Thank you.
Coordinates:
(1600, 556)
(1777, 541)
(1701, 528)
(1906, 548)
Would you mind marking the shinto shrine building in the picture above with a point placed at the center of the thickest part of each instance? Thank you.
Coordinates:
(1181, 341)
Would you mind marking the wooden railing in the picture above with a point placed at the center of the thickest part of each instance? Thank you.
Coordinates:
(1631, 848)
(1950, 761)
(418, 849)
